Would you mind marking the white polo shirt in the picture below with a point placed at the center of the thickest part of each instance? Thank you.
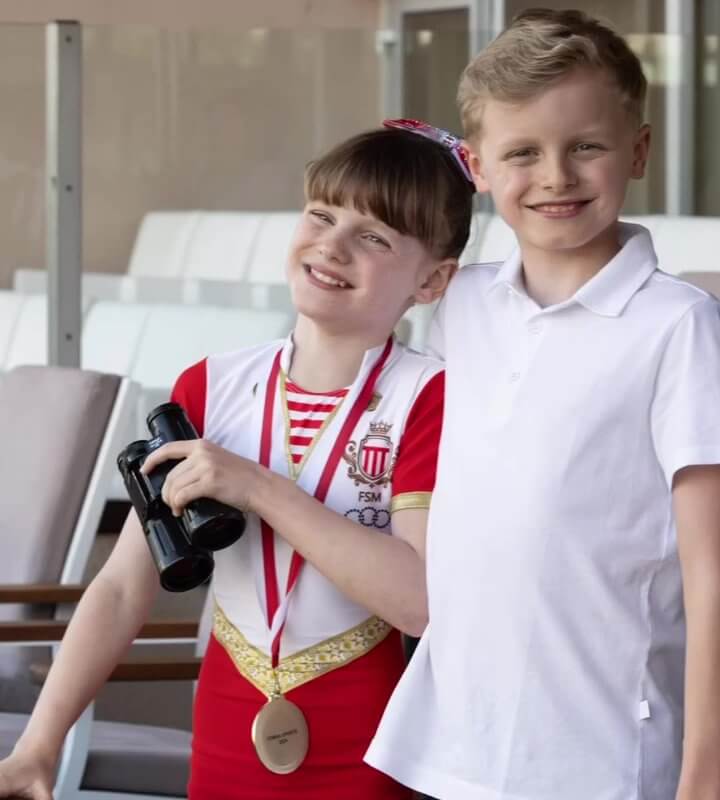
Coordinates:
(552, 668)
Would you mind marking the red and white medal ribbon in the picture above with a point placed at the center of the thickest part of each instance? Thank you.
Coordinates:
(275, 609)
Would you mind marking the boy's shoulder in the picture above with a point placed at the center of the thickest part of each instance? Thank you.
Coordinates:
(471, 282)
(477, 273)
(676, 290)
(667, 299)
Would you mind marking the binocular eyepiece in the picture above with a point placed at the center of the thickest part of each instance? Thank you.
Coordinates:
(181, 546)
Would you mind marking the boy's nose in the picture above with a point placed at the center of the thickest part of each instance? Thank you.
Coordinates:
(558, 175)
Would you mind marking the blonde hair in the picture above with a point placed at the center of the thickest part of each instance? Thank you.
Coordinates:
(540, 47)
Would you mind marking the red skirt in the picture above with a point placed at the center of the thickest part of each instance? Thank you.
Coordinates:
(342, 708)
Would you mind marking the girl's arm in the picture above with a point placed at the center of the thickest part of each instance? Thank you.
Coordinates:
(106, 620)
(386, 574)
(696, 499)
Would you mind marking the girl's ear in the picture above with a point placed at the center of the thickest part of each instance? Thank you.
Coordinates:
(476, 169)
(436, 283)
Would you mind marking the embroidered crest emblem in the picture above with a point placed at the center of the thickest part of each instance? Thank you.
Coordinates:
(372, 460)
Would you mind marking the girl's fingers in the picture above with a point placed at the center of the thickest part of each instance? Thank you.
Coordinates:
(174, 491)
(171, 450)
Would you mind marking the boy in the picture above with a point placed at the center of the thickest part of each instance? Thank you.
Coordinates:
(573, 550)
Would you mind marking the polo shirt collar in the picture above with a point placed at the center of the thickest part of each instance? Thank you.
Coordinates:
(611, 289)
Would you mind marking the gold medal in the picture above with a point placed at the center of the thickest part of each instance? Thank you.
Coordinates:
(280, 735)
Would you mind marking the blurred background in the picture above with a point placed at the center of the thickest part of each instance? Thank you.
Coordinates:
(220, 108)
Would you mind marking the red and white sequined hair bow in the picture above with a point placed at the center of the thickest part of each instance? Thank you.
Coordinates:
(445, 138)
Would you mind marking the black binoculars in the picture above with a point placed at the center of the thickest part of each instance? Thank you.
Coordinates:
(180, 546)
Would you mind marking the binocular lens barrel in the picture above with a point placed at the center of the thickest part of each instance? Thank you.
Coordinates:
(181, 566)
(170, 423)
(210, 524)
(179, 546)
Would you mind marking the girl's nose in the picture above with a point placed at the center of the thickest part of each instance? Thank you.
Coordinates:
(333, 247)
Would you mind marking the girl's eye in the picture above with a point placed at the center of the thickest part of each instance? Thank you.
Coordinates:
(373, 238)
(321, 216)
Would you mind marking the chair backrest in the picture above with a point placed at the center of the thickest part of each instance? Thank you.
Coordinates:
(269, 255)
(491, 239)
(686, 243)
(161, 244)
(174, 337)
(11, 304)
(58, 437)
(220, 246)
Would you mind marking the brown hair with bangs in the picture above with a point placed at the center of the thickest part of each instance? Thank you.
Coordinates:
(406, 181)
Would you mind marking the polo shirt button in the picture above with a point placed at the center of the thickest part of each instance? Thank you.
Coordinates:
(514, 376)
(534, 328)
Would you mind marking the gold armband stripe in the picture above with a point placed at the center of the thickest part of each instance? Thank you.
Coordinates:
(300, 667)
(410, 500)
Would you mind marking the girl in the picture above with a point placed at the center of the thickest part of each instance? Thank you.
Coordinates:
(329, 442)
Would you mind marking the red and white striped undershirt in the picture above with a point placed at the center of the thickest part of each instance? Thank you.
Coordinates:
(307, 412)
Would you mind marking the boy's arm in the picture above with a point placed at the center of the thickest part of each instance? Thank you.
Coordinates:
(696, 499)
(106, 620)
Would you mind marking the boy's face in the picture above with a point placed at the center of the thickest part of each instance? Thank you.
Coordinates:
(353, 274)
(558, 165)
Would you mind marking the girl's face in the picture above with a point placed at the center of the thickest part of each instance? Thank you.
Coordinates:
(351, 273)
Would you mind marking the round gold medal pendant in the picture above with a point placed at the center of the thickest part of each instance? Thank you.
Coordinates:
(280, 735)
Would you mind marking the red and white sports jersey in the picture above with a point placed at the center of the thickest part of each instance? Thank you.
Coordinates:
(388, 464)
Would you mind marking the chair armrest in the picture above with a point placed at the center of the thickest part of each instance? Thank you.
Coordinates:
(38, 593)
(180, 670)
(53, 630)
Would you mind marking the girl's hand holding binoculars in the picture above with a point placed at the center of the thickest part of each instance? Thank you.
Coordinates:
(206, 470)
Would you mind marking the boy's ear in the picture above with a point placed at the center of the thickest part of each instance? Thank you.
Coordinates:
(434, 286)
(476, 168)
(641, 149)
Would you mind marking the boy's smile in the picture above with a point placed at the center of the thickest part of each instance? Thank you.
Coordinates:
(558, 165)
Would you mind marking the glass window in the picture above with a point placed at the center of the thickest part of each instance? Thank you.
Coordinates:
(435, 52)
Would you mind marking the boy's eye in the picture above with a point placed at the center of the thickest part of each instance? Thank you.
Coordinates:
(586, 147)
(522, 154)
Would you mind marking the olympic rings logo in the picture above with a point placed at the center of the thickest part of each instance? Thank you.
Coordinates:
(369, 517)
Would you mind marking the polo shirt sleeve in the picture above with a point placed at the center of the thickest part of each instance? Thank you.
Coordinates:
(414, 472)
(685, 414)
(189, 392)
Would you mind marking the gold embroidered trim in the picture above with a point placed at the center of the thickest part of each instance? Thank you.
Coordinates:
(300, 667)
(296, 469)
(401, 502)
